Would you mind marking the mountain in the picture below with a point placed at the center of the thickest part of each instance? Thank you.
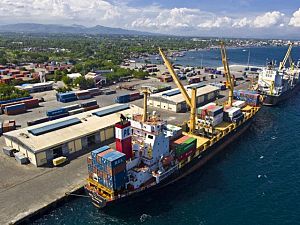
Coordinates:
(62, 29)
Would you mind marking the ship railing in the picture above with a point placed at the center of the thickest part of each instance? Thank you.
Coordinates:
(167, 173)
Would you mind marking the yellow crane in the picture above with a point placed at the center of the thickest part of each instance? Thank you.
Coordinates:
(229, 78)
(286, 57)
(190, 101)
(145, 92)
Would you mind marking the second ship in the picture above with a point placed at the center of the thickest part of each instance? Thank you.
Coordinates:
(150, 153)
(277, 84)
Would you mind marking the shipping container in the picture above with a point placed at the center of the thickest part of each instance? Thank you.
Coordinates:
(58, 116)
(71, 107)
(91, 108)
(123, 98)
(31, 103)
(89, 103)
(38, 121)
(76, 111)
(15, 109)
(56, 112)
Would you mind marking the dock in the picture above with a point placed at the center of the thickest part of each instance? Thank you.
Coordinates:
(37, 194)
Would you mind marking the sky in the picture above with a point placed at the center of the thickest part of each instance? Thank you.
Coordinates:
(222, 18)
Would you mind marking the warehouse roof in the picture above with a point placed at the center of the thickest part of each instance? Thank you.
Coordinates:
(178, 98)
(89, 124)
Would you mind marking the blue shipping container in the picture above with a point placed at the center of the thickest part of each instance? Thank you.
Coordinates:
(56, 112)
(89, 103)
(15, 100)
(99, 150)
(58, 116)
(113, 159)
(15, 107)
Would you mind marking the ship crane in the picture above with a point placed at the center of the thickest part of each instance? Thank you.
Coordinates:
(229, 78)
(190, 101)
(286, 57)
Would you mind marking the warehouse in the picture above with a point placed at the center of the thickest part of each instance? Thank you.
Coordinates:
(64, 137)
(173, 100)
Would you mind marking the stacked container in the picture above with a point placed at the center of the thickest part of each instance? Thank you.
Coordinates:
(81, 95)
(94, 91)
(66, 97)
(184, 147)
(233, 114)
(210, 114)
(108, 167)
(90, 105)
(15, 109)
(57, 113)
(193, 80)
(250, 97)
(71, 107)
(76, 111)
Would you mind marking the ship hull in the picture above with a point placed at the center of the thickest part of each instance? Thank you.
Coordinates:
(271, 100)
(189, 168)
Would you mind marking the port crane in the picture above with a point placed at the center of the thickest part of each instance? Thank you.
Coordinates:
(287, 57)
(229, 77)
(191, 101)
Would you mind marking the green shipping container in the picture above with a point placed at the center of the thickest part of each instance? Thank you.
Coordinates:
(190, 140)
(183, 149)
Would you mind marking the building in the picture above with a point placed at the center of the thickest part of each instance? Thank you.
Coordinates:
(73, 76)
(99, 80)
(173, 100)
(37, 87)
(63, 137)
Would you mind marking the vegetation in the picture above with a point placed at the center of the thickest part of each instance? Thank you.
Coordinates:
(84, 83)
(64, 89)
(8, 92)
(89, 52)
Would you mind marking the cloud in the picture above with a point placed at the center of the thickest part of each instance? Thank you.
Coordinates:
(266, 20)
(295, 20)
(153, 17)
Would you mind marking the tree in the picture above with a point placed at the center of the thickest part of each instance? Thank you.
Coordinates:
(67, 80)
(140, 74)
(57, 75)
(84, 83)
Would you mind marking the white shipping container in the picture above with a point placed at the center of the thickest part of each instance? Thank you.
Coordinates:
(240, 104)
(233, 111)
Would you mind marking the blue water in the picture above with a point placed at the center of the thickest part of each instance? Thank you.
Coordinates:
(255, 181)
(258, 56)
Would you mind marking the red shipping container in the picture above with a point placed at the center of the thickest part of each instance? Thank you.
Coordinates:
(91, 108)
(187, 154)
(181, 140)
(31, 103)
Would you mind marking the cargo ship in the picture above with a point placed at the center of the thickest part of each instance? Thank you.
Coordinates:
(150, 153)
(153, 154)
(278, 84)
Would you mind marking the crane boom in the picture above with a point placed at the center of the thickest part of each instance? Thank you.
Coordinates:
(229, 78)
(286, 57)
(175, 78)
(190, 101)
